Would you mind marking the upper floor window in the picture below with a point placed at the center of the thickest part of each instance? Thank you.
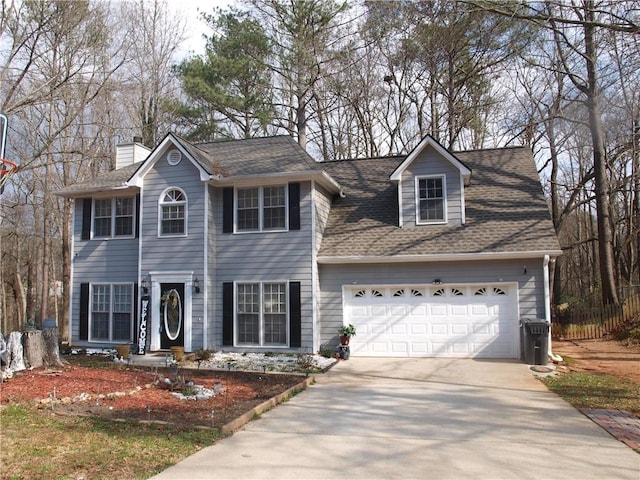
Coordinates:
(431, 199)
(261, 208)
(113, 217)
(173, 213)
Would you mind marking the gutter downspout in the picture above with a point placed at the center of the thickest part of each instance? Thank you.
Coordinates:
(547, 306)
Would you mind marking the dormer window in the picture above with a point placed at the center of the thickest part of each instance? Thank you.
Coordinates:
(431, 200)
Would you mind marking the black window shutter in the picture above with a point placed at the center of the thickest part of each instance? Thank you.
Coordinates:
(84, 311)
(86, 218)
(227, 210)
(227, 313)
(137, 219)
(294, 206)
(295, 315)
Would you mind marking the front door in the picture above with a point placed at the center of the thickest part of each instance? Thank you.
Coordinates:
(171, 315)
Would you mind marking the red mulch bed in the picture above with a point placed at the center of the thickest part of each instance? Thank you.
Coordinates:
(122, 392)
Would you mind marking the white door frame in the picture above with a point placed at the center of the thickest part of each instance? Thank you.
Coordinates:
(170, 277)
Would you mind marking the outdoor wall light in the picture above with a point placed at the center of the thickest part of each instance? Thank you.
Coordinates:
(196, 285)
(437, 281)
(144, 285)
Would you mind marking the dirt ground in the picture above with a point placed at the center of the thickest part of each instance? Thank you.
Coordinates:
(123, 392)
(602, 356)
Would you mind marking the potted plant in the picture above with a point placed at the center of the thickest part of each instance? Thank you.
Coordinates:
(123, 351)
(346, 332)
(177, 351)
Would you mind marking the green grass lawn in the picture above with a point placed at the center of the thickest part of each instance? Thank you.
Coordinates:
(593, 390)
(41, 445)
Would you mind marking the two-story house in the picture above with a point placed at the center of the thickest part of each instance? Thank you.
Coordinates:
(252, 245)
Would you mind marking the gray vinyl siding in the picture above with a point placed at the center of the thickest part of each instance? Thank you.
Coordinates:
(334, 277)
(429, 163)
(213, 303)
(323, 201)
(323, 205)
(265, 257)
(181, 253)
(113, 260)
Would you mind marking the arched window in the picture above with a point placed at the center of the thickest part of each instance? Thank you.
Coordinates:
(173, 213)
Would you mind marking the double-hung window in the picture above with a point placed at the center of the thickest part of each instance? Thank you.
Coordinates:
(431, 199)
(262, 314)
(113, 217)
(111, 312)
(173, 213)
(261, 208)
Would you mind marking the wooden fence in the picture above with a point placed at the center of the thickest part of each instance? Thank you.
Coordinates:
(594, 324)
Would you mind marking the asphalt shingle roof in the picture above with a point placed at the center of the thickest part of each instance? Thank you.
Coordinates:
(104, 181)
(250, 157)
(506, 210)
(259, 156)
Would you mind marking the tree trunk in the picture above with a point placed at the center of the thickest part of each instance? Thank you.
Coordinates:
(63, 320)
(301, 120)
(34, 348)
(605, 236)
(41, 348)
(15, 352)
(51, 348)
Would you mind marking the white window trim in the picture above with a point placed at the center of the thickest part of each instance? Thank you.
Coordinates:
(132, 312)
(444, 200)
(186, 214)
(113, 219)
(261, 228)
(261, 314)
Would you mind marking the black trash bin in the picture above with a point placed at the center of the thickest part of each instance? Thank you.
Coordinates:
(534, 341)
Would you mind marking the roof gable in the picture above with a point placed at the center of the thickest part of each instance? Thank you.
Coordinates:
(199, 159)
(429, 141)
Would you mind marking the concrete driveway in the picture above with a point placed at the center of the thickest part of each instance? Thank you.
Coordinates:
(418, 418)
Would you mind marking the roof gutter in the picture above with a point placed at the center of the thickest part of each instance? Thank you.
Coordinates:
(322, 177)
(93, 191)
(444, 257)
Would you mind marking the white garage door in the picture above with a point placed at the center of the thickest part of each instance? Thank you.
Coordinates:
(434, 320)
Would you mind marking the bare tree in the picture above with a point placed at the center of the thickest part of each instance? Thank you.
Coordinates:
(155, 37)
(575, 30)
(60, 61)
(304, 35)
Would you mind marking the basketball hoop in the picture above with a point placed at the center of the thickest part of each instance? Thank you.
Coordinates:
(7, 169)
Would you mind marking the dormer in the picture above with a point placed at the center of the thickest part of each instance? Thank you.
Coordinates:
(431, 183)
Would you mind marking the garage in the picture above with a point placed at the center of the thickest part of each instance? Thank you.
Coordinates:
(479, 320)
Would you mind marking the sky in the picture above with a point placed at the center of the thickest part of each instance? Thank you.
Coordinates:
(191, 9)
